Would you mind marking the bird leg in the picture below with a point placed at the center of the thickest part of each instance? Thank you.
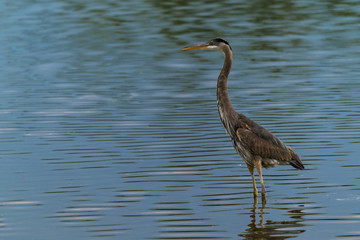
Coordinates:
(257, 163)
(251, 170)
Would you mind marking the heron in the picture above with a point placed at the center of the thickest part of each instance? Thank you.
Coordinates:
(257, 146)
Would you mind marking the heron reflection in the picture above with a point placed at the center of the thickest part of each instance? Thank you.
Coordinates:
(269, 229)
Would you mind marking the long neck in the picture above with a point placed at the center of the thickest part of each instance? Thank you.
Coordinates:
(225, 108)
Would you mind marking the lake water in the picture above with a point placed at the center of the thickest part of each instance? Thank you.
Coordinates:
(110, 131)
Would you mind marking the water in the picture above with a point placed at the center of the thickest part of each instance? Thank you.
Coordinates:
(110, 131)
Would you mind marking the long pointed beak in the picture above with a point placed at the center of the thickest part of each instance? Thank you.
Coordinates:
(197, 46)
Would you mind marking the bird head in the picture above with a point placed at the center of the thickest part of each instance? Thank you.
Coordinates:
(213, 44)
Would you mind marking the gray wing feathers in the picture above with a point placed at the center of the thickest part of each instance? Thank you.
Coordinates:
(260, 131)
(266, 148)
(262, 147)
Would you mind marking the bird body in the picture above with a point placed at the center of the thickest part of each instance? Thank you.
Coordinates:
(255, 144)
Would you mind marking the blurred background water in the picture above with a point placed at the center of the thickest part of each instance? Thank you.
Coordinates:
(108, 130)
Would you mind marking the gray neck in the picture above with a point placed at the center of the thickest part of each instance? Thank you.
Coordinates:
(226, 111)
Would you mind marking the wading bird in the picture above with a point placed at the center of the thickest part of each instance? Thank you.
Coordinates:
(255, 144)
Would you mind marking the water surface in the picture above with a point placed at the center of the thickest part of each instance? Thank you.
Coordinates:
(109, 130)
